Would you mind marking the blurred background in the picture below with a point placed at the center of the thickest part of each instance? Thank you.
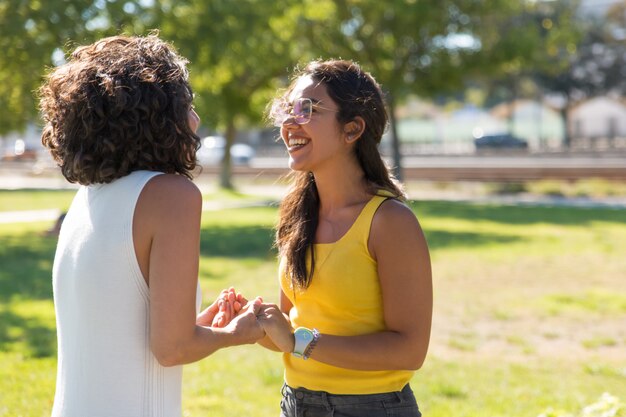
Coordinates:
(519, 79)
(508, 127)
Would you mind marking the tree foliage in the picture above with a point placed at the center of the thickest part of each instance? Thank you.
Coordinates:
(545, 35)
(238, 52)
(429, 47)
(241, 51)
(34, 35)
(594, 65)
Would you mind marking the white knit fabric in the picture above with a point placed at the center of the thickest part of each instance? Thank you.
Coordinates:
(105, 366)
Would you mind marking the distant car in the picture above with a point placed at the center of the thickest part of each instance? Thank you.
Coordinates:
(211, 151)
(20, 151)
(503, 141)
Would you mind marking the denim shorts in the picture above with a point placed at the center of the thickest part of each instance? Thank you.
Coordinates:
(301, 402)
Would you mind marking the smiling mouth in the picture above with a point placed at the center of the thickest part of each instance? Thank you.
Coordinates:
(296, 143)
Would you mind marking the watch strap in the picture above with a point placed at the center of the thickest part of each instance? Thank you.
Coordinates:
(309, 349)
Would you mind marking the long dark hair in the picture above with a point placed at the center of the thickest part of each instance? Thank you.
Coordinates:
(356, 93)
(119, 105)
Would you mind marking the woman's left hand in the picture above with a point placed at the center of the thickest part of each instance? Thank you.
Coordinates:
(276, 326)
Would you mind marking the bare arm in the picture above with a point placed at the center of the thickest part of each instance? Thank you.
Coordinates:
(399, 246)
(170, 208)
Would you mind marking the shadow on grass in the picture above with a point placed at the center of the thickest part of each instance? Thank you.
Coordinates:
(257, 241)
(237, 242)
(29, 336)
(26, 274)
(26, 266)
(517, 215)
(26, 259)
(439, 239)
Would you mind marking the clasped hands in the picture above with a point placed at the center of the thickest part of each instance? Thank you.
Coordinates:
(250, 320)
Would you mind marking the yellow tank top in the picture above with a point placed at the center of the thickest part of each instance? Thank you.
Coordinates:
(344, 299)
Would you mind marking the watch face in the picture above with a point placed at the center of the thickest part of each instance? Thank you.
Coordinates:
(304, 334)
(303, 338)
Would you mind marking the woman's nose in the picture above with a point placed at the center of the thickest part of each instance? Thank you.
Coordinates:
(290, 121)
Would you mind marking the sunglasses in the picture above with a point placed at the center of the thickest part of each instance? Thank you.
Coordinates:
(300, 110)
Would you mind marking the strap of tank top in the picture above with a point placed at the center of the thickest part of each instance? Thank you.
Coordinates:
(364, 222)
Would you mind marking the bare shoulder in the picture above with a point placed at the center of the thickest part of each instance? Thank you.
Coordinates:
(173, 188)
(172, 184)
(168, 204)
(394, 214)
(395, 225)
(169, 195)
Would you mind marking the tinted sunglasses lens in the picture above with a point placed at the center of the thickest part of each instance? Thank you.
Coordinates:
(302, 110)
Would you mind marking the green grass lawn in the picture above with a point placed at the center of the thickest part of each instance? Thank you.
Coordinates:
(15, 200)
(530, 306)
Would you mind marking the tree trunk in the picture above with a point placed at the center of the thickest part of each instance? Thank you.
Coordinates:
(226, 168)
(541, 142)
(512, 105)
(566, 132)
(395, 141)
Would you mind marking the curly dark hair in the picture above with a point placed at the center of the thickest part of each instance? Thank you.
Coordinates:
(119, 105)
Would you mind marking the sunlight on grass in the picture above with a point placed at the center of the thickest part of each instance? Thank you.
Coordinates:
(591, 187)
(26, 385)
(610, 370)
(466, 341)
(529, 311)
(17, 200)
(28, 327)
(597, 342)
(35, 199)
(497, 388)
(250, 374)
(592, 301)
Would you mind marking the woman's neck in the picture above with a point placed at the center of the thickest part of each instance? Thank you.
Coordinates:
(341, 187)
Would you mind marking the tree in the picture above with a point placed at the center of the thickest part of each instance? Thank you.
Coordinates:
(239, 51)
(540, 37)
(423, 47)
(595, 65)
(32, 35)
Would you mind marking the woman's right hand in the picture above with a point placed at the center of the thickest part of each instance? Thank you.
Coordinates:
(245, 325)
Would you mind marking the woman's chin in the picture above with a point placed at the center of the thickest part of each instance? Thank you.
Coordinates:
(296, 165)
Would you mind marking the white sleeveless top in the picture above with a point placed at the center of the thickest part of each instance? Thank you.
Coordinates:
(105, 365)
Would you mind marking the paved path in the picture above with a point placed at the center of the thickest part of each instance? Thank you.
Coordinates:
(272, 193)
(618, 203)
(28, 216)
(525, 200)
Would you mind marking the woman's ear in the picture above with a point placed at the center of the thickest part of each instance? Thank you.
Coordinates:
(354, 129)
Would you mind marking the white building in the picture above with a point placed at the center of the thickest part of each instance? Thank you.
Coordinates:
(600, 117)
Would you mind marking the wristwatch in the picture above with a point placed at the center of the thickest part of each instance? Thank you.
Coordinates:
(304, 340)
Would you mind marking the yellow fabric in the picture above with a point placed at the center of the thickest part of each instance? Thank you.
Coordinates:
(344, 299)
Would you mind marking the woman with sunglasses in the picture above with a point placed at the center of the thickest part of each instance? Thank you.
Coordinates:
(356, 291)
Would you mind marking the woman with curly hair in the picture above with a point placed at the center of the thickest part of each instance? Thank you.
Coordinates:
(119, 121)
(356, 293)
